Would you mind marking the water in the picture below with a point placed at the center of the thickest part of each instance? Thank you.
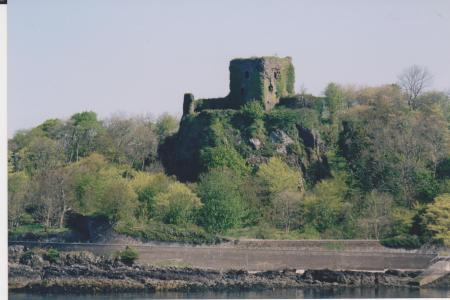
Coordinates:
(338, 292)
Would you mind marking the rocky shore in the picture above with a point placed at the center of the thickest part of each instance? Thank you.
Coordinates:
(83, 272)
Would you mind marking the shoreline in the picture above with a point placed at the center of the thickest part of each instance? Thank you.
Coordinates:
(86, 273)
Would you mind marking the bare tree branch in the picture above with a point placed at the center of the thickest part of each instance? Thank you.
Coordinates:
(413, 81)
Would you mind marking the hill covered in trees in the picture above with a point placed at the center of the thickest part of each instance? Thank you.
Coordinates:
(368, 162)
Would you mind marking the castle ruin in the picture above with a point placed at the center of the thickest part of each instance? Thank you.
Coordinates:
(264, 79)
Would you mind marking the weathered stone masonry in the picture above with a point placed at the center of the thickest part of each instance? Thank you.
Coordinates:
(263, 79)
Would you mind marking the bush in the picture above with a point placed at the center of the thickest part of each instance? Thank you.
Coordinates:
(128, 256)
(402, 241)
(177, 205)
(26, 256)
(223, 157)
(52, 255)
(253, 111)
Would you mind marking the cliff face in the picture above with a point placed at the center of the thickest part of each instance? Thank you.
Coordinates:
(251, 133)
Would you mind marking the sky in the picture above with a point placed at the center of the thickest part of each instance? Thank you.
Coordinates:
(140, 57)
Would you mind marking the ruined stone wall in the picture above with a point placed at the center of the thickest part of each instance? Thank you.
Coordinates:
(264, 79)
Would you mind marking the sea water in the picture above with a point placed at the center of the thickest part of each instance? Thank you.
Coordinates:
(336, 292)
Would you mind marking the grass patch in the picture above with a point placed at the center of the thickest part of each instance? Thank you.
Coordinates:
(156, 231)
(36, 230)
(171, 263)
(52, 255)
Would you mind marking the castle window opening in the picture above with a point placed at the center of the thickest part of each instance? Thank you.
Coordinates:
(275, 75)
(242, 91)
(247, 74)
(271, 88)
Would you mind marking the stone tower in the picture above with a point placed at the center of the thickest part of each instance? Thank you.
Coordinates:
(264, 79)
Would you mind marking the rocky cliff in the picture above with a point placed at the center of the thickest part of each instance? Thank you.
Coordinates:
(250, 133)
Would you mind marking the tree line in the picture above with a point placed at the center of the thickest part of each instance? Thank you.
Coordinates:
(387, 149)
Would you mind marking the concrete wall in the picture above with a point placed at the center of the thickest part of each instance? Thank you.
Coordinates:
(253, 258)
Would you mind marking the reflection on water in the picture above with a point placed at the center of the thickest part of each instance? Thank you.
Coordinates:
(338, 292)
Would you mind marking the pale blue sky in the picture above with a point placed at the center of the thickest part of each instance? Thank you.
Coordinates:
(140, 57)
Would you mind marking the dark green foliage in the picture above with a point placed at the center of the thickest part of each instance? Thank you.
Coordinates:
(252, 125)
(402, 241)
(443, 169)
(303, 101)
(213, 103)
(223, 157)
(363, 165)
(290, 79)
(26, 256)
(84, 129)
(52, 255)
(252, 111)
(52, 128)
(289, 119)
(426, 186)
(334, 100)
(185, 233)
(128, 256)
(223, 202)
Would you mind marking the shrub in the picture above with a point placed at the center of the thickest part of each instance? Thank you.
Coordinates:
(253, 111)
(402, 241)
(128, 256)
(52, 255)
(147, 186)
(158, 231)
(26, 256)
(224, 157)
(177, 205)
(325, 209)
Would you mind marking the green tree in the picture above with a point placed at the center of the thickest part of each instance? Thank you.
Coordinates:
(334, 100)
(87, 184)
(437, 218)
(18, 191)
(223, 203)
(177, 205)
(41, 154)
(325, 208)
(278, 177)
(118, 201)
(166, 125)
(147, 186)
(224, 157)
(52, 128)
(82, 131)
